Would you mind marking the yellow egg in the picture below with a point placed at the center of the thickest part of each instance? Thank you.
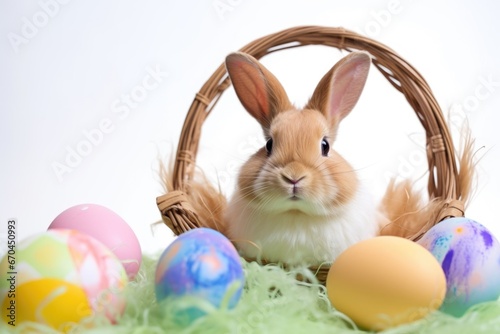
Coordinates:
(53, 302)
(386, 281)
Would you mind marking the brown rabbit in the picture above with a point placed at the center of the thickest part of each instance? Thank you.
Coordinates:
(297, 200)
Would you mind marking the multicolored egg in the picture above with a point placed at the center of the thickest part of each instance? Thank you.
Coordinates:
(107, 227)
(201, 263)
(61, 277)
(470, 257)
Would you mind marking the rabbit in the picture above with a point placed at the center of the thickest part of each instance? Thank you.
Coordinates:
(297, 200)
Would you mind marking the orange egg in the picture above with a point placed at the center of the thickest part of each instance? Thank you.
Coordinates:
(386, 281)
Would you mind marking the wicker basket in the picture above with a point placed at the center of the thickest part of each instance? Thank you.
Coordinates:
(178, 214)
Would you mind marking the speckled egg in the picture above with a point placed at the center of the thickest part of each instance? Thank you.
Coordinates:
(203, 264)
(470, 257)
(59, 270)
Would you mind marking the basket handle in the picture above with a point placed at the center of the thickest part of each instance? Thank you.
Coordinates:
(443, 171)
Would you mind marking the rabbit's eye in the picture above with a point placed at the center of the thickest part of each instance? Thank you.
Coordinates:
(325, 147)
(269, 146)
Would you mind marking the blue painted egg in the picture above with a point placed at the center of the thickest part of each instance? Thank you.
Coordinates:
(470, 257)
(200, 263)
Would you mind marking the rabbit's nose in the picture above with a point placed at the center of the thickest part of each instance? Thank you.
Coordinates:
(292, 181)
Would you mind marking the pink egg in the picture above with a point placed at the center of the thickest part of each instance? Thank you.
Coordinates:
(106, 226)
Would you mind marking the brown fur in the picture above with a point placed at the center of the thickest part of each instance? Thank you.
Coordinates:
(466, 175)
(261, 98)
(346, 94)
(208, 202)
(409, 213)
(295, 156)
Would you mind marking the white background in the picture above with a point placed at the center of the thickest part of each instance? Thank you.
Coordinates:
(71, 73)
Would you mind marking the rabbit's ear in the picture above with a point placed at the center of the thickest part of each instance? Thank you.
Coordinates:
(258, 90)
(340, 88)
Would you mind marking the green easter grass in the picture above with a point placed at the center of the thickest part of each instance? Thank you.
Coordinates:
(272, 302)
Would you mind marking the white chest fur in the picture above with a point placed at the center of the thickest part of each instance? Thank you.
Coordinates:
(296, 238)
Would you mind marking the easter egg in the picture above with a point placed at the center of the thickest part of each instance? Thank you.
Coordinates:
(59, 265)
(470, 257)
(107, 227)
(53, 302)
(385, 281)
(201, 263)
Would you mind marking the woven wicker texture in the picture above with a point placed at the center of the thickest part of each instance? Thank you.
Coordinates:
(443, 172)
